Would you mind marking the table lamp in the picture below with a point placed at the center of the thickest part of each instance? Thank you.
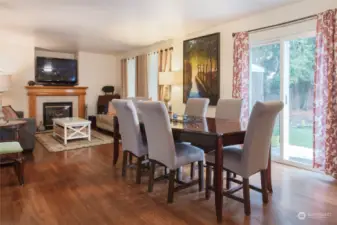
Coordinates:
(5, 81)
(167, 79)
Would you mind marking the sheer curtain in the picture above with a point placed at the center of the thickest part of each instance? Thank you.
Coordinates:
(131, 77)
(325, 94)
(152, 65)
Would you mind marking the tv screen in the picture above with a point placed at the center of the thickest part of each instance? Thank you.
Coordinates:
(56, 71)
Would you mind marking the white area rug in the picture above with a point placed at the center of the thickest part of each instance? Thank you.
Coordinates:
(56, 145)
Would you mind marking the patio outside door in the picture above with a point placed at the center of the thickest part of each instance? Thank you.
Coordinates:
(284, 70)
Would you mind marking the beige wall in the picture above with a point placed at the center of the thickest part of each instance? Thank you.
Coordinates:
(96, 71)
(17, 58)
(282, 14)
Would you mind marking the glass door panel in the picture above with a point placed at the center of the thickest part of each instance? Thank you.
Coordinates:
(299, 71)
(265, 83)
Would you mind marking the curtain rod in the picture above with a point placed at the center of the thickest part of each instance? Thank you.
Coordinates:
(281, 24)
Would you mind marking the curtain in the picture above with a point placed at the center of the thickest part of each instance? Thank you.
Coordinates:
(325, 94)
(152, 65)
(124, 78)
(141, 76)
(165, 64)
(241, 73)
(131, 78)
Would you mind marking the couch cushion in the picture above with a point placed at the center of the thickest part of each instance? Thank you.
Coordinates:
(10, 147)
(9, 113)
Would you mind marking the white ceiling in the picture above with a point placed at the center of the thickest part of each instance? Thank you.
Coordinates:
(118, 25)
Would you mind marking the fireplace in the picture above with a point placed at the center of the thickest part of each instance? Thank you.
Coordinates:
(56, 110)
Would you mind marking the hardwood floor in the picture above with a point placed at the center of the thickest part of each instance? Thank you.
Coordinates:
(82, 187)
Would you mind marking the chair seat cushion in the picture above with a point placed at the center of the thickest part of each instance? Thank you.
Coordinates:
(187, 153)
(231, 158)
(10, 147)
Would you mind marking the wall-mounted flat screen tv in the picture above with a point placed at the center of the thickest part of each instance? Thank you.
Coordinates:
(56, 71)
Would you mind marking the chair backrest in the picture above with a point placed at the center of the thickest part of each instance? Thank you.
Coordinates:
(129, 126)
(258, 136)
(196, 107)
(228, 109)
(158, 132)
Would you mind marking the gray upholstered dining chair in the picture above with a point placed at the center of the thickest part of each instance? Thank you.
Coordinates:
(162, 148)
(252, 157)
(228, 109)
(132, 142)
(197, 107)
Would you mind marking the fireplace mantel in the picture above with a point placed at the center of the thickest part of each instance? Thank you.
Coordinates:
(34, 91)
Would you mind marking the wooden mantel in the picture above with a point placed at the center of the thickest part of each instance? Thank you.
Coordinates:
(34, 91)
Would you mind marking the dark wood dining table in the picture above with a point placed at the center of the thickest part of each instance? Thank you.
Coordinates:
(209, 134)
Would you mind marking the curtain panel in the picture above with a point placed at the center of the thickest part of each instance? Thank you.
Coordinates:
(241, 72)
(124, 78)
(165, 64)
(325, 94)
(142, 76)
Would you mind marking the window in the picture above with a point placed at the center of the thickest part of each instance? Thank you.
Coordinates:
(131, 69)
(282, 68)
(152, 65)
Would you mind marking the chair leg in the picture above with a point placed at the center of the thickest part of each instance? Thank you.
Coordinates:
(178, 173)
(246, 196)
(130, 159)
(139, 170)
(228, 182)
(21, 172)
(171, 186)
(201, 175)
(192, 171)
(263, 174)
(208, 181)
(151, 178)
(125, 158)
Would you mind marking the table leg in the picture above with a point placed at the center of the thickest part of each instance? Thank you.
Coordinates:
(116, 141)
(65, 135)
(269, 182)
(89, 132)
(218, 179)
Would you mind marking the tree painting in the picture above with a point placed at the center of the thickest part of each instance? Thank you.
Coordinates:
(201, 77)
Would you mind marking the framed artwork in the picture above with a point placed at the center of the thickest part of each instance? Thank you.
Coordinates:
(201, 72)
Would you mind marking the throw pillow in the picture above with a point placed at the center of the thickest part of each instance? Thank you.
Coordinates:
(9, 113)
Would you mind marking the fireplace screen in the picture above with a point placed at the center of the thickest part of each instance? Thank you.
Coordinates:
(53, 110)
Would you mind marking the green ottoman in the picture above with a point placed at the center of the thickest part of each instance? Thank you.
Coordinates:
(11, 154)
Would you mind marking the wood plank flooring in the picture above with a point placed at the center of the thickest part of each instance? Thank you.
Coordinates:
(82, 187)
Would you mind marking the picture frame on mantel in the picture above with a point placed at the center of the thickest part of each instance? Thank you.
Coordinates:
(201, 68)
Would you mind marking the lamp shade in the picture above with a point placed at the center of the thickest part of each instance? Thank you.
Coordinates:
(5, 82)
(170, 78)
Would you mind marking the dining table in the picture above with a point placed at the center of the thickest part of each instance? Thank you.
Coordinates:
(210, 134)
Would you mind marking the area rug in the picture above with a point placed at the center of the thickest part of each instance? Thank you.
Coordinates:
(56, 145)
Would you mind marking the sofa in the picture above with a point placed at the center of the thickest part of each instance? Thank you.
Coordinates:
(26, 133)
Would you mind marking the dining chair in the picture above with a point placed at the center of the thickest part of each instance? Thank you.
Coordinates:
(196, 107)
(164, 151)
(252, 157)
(228, 109)
(132, 142)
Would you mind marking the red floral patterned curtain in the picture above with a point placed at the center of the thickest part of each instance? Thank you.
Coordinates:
(241, 72)
(325, 94)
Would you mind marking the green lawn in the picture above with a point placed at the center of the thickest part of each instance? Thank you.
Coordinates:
(299, 136)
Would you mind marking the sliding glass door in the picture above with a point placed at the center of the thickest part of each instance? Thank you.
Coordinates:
(283, 70)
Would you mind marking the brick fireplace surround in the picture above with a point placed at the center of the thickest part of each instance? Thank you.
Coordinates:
(34, 91)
